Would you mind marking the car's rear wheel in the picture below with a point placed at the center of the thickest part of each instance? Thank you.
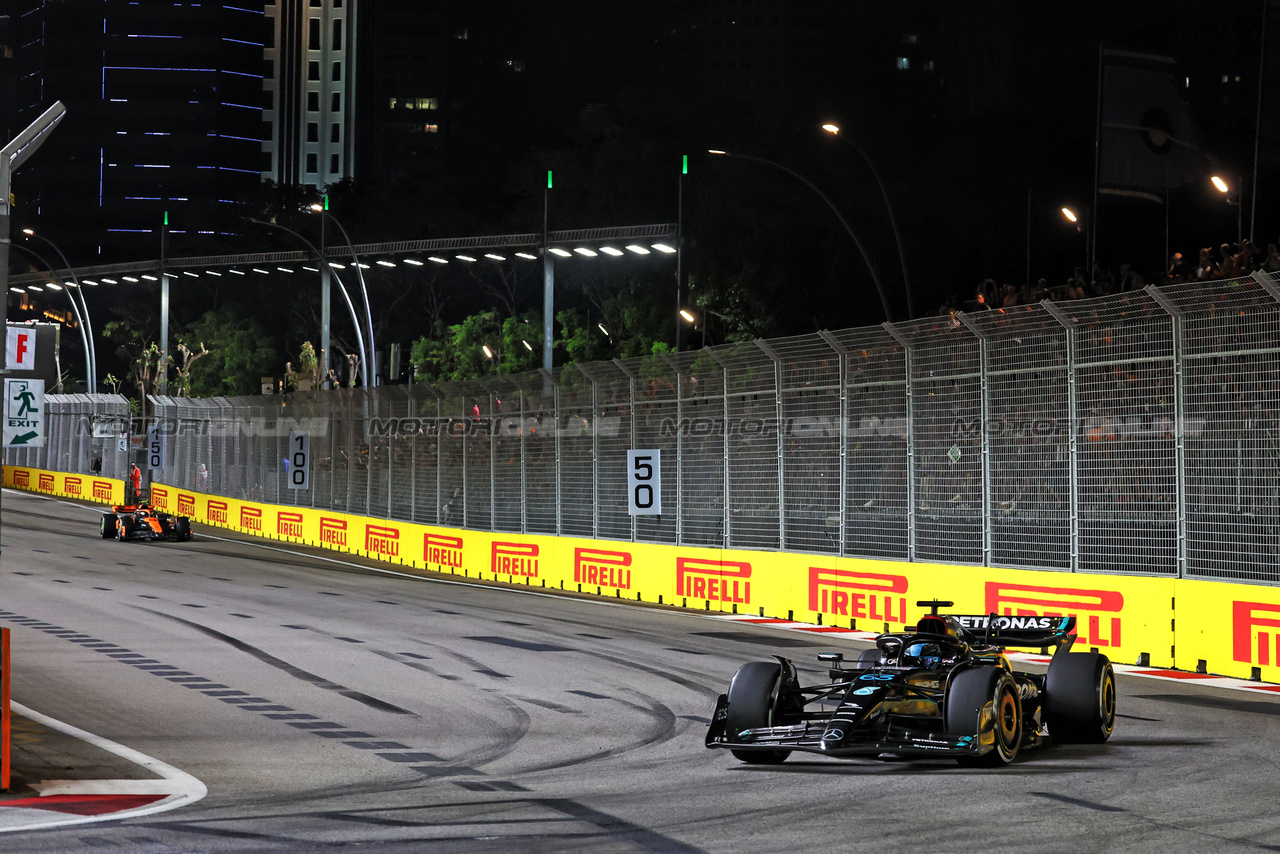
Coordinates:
(107, 526)
(1080, 698)
(969, 693)
(753, 702)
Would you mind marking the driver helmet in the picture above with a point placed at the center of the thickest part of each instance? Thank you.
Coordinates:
(923, 655)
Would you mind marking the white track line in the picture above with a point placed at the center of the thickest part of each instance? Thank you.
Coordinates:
(181, 789)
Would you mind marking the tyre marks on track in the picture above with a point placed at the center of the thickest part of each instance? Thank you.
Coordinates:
(401, 756)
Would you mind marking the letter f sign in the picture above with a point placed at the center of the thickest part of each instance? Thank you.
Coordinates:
(21, 349)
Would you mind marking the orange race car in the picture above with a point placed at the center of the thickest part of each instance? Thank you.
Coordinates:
(140, 522)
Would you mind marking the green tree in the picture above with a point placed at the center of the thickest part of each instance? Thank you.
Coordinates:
(241, 352)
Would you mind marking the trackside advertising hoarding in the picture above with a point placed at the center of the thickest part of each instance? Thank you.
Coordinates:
(87, 487)
(1214, 627)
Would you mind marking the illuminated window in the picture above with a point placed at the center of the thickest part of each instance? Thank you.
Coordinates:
(421, 103)
(904, 63)
(515, 65)
(392, 103)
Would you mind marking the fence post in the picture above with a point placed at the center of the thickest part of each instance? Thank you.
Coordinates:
(1073, 489)
(779, 414)
(911, 444)
(1179, 415)
(842, 356)
(631, 393)
(984, 413)
(550, 385)
(675, 367)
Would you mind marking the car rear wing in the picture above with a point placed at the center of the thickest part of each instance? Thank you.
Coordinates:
(1031, 631)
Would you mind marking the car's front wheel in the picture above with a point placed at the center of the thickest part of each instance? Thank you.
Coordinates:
(1080, 697)
(753, 702)
(107, 526)
(970, 692)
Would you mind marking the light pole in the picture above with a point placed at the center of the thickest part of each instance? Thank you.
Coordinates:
(1223, 187)
(364, 361)
(1074, 218)
(323, 210)
(834, 130)
(82, 311)
(90, 363)
(692, 319)
(875, 276)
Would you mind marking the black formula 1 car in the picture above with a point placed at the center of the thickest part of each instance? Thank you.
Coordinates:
(140, 522)
(944, 689)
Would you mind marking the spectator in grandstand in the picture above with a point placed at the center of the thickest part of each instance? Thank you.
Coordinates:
(1228, 268)
(1271, 263)
(1206, 268)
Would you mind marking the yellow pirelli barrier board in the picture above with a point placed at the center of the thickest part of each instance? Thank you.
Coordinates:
(1233, 629)
(1213, 627)
(83, 486)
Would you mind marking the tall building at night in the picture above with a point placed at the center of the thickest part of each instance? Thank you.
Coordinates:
(310, 79)
(164, 114)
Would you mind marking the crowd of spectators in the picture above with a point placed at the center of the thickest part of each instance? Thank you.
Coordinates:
(1227, 261)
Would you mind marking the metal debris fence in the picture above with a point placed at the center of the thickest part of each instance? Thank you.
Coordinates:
(1134, 433)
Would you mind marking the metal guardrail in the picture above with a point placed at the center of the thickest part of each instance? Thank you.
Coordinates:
(1135, 433)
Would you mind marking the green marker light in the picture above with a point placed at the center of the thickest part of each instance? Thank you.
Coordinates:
(326, 201)
(166, 217)
(685, 170)
(548, 179)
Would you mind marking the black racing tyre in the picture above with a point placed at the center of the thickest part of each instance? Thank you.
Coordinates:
(752, 703)
(969, 692)
(107, 527)
(1080, 698)
(183, 526)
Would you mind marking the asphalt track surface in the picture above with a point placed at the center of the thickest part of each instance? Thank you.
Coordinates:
(358, 708)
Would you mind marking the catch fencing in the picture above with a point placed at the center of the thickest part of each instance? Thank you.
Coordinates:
(1133, 433)
(84, 433)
